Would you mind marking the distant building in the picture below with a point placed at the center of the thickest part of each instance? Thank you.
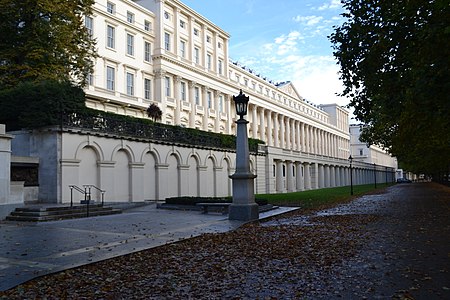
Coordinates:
(373, 154)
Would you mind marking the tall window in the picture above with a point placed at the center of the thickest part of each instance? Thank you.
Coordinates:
(89, 23)
(208, 61)
(219, 67)
(130, 44)
(130, 17)
(111, 37)
(209, 95)
(110, 78)
(167, 80)
(111, 7)
(130, 84)
(147, 88)
(197, 55)
(197, 95)
(147, 51)
(220, 103)
(167, 41)
(90, 79)
(182, 48)
(183, 91)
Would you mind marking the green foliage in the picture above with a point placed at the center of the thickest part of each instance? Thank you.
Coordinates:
(154, 112)
(32, 105)
(395, 65)
(194, 200)
(45, 40)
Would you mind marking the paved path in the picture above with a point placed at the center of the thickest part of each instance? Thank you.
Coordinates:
(31, 250)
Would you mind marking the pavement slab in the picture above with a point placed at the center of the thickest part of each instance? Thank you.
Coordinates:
(29, 250)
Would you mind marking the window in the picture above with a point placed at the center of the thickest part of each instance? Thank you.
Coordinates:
(183, 91)
(209, 95)
(111, 37)
(219, 67)
(90, 79)
(147, 88)
(197, 55)
(110, 78)
(284, 171)
(182, 48)
(89, 23)
(111, 7)
(167, 80)
(130, 44)
(130, 84)
(147, 25)
(182, 24)
(196, 31)
(197, 95)
(130, 17)
(219, 45)
(361, 152)
(220, 103)
(166, 15)
(167, 41)
(208, 61)
(147, 52)
(208, 39)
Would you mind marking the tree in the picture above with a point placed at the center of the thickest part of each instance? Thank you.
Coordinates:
(45, 40)
(154, 112)
(36, 104)
(394, 59)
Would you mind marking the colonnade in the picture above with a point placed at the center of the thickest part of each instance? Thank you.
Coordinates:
(291, 175)
(282, 131)
(211, 110)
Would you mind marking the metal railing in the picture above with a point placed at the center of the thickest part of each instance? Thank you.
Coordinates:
(88, 188)
(87, 194)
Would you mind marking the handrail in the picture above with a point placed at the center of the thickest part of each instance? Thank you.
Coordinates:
(89, 186)
(72, 187)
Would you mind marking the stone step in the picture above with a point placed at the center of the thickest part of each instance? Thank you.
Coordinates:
(40, 214)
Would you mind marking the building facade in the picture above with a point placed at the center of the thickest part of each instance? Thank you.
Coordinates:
(165, 53)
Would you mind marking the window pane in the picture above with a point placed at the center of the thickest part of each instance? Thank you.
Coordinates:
(130, 44)
(110, 74)
(111, 37)
(130, 84)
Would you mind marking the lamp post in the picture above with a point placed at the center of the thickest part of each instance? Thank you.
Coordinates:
(375, 174)
(243, 207)
(350, 158)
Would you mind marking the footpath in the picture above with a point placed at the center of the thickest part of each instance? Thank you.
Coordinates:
(29, 250)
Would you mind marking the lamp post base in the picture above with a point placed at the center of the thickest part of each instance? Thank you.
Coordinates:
(243, 212)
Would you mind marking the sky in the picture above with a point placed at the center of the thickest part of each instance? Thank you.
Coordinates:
(283, 40)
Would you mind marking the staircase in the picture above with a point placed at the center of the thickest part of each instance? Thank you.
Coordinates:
(53, 213)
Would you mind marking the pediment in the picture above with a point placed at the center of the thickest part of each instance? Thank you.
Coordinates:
(289, 89)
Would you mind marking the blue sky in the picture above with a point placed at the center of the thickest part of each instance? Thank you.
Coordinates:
(282, 40)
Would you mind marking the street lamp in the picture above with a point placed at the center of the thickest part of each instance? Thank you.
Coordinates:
(244, 207)
(375, 174)
(350, 158)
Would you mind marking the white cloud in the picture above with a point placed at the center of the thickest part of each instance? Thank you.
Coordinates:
(308, 20)
(333, 4)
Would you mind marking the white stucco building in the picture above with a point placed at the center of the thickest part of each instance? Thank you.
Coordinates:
(372, 154)
(163, 52)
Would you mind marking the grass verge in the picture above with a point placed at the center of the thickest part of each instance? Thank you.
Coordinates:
(323, 197)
